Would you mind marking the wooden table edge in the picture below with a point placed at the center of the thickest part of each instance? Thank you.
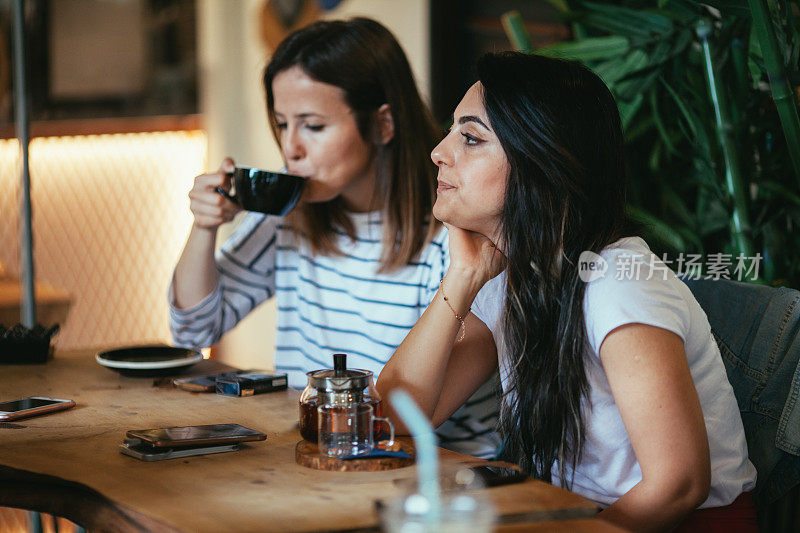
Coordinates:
(85, 506)
(94, 511)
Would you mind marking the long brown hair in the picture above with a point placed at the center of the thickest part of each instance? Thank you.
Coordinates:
(363, 58)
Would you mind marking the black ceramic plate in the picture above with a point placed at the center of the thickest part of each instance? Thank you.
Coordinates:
(149, 360)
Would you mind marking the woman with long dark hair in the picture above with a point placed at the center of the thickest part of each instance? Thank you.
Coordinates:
(613, 384)
(358, 260)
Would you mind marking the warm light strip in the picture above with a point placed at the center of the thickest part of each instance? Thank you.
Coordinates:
(110, 217)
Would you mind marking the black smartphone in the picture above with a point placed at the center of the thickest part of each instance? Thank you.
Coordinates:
(32, 406)
(214, 434)
(145, 452)
(493, 476)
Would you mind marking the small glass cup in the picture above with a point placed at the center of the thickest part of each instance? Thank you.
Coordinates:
(459, 512)
(464, 505)
(346, 431)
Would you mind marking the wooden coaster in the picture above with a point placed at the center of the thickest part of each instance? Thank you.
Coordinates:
(307, 454)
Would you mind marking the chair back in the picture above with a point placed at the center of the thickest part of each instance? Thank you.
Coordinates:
(757, 329)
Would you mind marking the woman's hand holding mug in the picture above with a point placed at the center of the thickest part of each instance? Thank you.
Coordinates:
(211, 209)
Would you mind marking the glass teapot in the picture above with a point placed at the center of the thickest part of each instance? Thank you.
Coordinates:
(340, 387)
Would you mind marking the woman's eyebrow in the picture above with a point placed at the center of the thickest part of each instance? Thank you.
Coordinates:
(473, 118)
(302, 115)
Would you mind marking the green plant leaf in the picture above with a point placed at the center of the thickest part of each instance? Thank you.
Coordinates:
(792, 39)
(755, 60)
(645, 74)
(755, 72)
(707, 177)
(635, 23)
(658, 229)
(658, 123)
(638, 127)
(697, 134)
(676, 205)
(684, 11)
(618, 68)
(691, 236)
(738, 8)
(781, 190)
(654, 161)
(682, 42)
(627, 110)
(714, 218)
(677, 185)
(688, 116)
(561, 5)
(590, 49)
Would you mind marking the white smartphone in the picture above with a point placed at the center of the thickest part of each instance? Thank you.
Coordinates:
(33, 406)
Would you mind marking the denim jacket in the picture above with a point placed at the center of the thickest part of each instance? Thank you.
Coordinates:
(757, 329)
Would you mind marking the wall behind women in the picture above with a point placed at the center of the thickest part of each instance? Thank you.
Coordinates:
(232, 59)
(109, 217)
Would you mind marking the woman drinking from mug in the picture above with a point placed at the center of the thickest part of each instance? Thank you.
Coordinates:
(358, 260)
(613, 384)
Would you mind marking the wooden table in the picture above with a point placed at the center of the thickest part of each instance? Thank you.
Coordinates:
(68, 464)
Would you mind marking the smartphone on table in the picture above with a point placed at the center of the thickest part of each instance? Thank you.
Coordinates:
(493, 476)
(32, 406)
(170, 443)
(214, 434)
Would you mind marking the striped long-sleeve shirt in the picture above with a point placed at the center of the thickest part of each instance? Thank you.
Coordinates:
(332, 304)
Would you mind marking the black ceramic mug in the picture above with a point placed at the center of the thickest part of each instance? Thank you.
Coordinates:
(273, 193)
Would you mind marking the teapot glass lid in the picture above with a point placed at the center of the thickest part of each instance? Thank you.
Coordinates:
(340, 378)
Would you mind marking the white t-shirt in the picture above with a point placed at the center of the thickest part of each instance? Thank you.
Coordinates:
(624, 295)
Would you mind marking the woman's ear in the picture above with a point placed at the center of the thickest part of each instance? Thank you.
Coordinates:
(384, 125)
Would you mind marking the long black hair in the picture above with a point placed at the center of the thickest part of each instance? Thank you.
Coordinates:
(363, 58)
(560, 130)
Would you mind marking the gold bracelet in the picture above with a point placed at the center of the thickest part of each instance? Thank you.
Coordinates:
(463, 326)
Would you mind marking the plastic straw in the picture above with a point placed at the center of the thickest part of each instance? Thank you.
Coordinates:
(425, 442)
